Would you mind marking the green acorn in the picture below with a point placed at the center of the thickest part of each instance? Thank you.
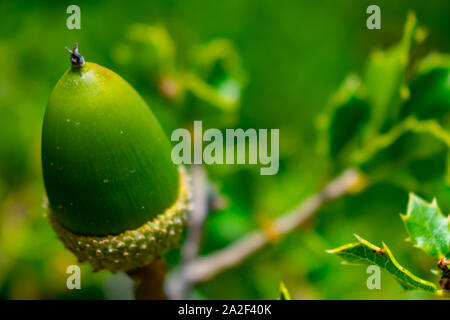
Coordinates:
(116, 198)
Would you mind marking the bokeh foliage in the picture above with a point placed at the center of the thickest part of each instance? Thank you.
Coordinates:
(248, 64)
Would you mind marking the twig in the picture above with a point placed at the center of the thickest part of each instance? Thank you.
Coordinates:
(198, 213)
(204, 268)
(196, 219)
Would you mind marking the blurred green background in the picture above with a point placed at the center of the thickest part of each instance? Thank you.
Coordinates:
(235, 63)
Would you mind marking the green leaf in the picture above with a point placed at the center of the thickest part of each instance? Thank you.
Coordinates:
(346, 123)
(158, 39)
(427, 227)
(218, 76)
(430, 89)
(344, 117)
(363, 252)
(148, 49)
(430, 128)
(385, 75)
(284, 293)
(226, 99)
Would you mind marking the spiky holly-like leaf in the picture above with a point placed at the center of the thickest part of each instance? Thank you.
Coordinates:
(427, 226)
(363, 252)
(284, 293)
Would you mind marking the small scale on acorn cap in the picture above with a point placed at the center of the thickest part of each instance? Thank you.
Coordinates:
(116, 198)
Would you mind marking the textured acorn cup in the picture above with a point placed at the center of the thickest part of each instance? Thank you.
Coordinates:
(116, 199)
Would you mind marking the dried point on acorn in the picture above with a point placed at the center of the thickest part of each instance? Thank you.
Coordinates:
(116, 199)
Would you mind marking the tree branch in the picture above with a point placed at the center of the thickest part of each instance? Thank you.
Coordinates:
(205, 268)
(198, 213)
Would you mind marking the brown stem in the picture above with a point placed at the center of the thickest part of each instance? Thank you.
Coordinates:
(150, 281)
(443, 264)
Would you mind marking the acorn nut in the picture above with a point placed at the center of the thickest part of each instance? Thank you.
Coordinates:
(116, 199)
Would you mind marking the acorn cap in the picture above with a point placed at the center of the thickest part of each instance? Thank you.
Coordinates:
(116, 198)
(136, 248)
